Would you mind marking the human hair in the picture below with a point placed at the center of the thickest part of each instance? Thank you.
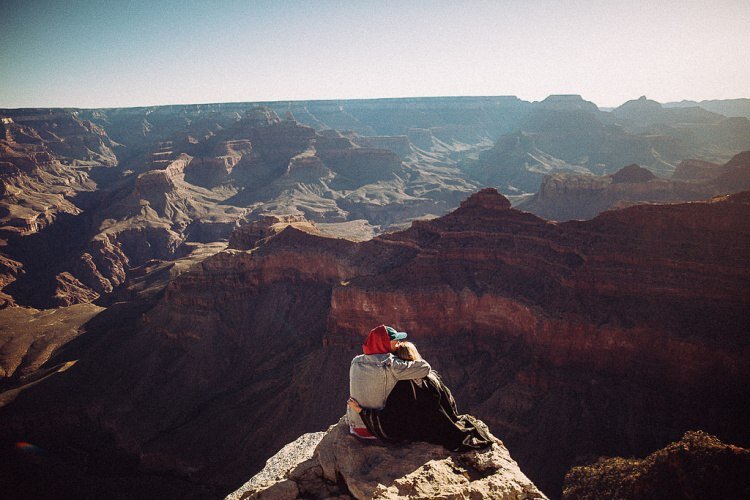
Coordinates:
(407, 351)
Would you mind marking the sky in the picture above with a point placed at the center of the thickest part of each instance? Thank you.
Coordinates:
(136, 53)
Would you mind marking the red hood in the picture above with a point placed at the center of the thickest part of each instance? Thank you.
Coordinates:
(377, 342)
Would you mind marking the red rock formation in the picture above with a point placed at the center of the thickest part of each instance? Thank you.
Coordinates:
(30, 337)
(621, 331)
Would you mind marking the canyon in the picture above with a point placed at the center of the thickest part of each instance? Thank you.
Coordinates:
(183, 287)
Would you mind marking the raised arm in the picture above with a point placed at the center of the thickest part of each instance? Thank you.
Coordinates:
(406, 370)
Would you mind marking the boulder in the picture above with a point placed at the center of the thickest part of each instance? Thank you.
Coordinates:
(343, 466)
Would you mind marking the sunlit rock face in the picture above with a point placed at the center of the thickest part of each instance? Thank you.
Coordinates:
(335, 464)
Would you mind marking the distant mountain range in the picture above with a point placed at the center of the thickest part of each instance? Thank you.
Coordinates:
(726, 107)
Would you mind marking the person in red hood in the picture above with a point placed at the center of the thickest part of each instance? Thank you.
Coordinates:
(373, 374)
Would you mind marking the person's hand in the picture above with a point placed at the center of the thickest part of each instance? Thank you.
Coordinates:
(354, 405)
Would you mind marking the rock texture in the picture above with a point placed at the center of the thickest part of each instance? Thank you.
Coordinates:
(344, 467)
(698, 466)
(130, 185)
(279, 466)
(583, 196)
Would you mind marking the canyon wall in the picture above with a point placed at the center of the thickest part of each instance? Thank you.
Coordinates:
(609, 336)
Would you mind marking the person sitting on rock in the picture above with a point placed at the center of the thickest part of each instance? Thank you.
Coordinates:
(422, 410)
(373, 374)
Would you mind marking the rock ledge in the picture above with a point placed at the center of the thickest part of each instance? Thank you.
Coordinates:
(343, 467)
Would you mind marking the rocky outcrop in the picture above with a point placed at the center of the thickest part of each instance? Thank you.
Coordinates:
(249, 234)
(342, 466)
(9, 270)
(567, 102)
(213, 163)
(734, 176)
(70, 291)
(579, 196)
(632, 174)
(698, 466)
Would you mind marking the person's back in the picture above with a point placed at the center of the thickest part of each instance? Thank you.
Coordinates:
(421, 410)
(373, 375)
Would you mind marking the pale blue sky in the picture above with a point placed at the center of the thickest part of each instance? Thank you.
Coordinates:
(130, 53)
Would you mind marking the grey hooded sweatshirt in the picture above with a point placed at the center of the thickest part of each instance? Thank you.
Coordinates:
(373, 376)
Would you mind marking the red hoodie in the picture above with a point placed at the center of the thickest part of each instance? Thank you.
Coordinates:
(378, 341)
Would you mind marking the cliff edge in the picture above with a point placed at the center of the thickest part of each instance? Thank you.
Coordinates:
(341, 466)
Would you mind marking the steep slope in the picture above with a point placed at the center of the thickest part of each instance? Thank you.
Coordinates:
(49, 161)
(605, 337)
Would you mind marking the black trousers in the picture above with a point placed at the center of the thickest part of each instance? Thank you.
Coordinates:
(427, 412)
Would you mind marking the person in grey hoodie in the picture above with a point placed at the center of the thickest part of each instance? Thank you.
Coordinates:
(373, 374)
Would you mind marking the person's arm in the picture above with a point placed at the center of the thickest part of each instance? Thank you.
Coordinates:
(407, 370)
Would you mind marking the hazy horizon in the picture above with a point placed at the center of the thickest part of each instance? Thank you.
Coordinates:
(93, 55)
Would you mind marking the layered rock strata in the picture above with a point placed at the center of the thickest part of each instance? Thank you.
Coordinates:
(594, 327)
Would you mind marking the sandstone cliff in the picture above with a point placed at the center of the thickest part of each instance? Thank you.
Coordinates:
(341, 466)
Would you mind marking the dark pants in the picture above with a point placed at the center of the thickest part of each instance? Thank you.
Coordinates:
(425, 412)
